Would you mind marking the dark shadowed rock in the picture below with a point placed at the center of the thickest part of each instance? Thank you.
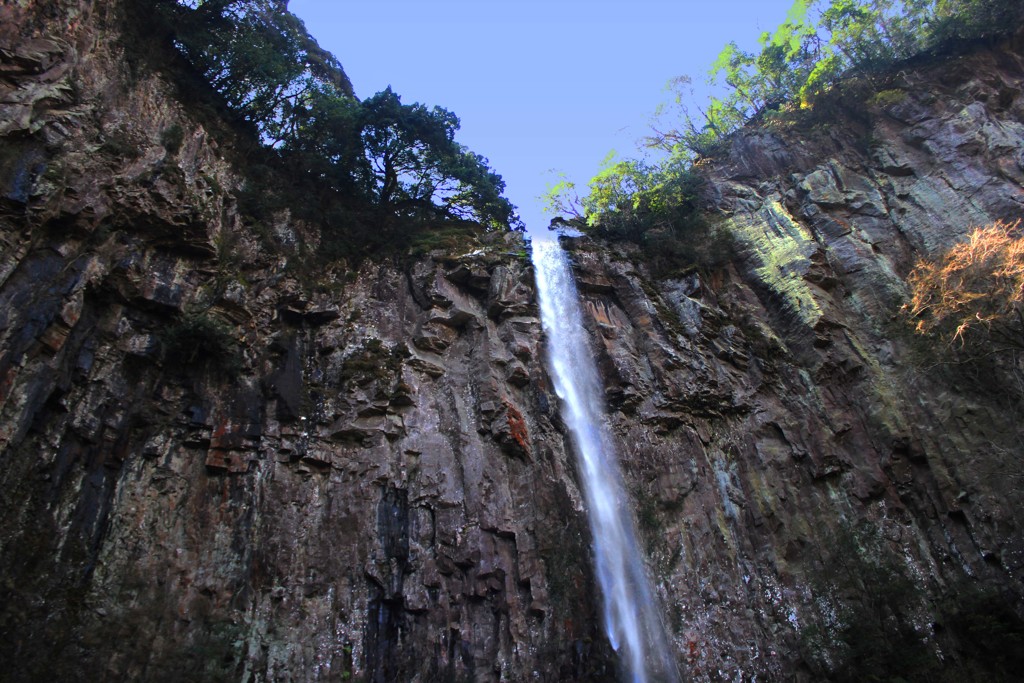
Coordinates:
(363, 475)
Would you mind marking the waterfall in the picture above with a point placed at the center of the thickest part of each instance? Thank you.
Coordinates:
(631, 614)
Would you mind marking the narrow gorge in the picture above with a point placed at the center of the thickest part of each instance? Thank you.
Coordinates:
(221, 462)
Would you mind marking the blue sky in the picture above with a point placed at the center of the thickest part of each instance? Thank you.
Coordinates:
(541, 86)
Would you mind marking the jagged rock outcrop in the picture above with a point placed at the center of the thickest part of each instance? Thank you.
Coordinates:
(807, 474)
(217, 464)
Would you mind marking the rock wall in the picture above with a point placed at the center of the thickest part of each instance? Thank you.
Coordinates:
(818, 489)
(219, 464)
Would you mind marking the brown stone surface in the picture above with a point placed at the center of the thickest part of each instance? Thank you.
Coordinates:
(339, 501)
(375, 483)
(777, 420)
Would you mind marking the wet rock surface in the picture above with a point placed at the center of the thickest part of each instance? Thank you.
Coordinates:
(784, 433)
(216, 465)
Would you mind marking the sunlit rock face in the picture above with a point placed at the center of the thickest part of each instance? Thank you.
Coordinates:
(219, 464)
(809, 473)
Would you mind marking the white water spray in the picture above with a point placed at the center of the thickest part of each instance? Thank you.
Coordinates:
(631, 614)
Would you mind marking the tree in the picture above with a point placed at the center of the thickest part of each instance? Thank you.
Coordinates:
(967, 19)
(974, 293)
(625, 198)
(654, 206)
(258, 56)
(342, 155)
(820, 43)
(411, 164)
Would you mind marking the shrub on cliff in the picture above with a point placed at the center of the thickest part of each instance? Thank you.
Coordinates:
(868, 608)
(821, 43)
(973, 294)
(200, 340)
(873, 622)
(652, 205)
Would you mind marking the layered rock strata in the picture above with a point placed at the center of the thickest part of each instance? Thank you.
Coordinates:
(799, 459)
(219, 464)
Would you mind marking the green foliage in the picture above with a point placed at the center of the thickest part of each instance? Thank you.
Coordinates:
(371, 173)
(565, 563)
(215, 655)
(387, 171)
(887, 98)
(965, 20)
(200, 340)
(877, 624)
(411, 164)
(373, 361)
(868, 602)
(820, 43)
(456, 237)
(652, 205)
(173, 138)
(647, 518)
(698, 137)
(118, 143)
(257, 55)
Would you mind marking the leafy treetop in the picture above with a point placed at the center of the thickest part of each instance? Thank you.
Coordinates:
(820, 43)
(257, 55)
(380, 158)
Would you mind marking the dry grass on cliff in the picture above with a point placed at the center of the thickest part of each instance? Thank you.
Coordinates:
(973, 293)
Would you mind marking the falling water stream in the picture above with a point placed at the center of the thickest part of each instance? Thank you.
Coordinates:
(631, 615)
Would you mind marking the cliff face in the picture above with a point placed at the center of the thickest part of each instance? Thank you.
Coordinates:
(823, 494)
(217, 464)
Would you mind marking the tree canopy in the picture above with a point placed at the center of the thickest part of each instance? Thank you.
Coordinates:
(383, 159)
(820, 43)
(258, 56)
(653, 205)
(411, 161)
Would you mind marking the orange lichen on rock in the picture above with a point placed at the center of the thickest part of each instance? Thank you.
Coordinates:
(517, 427)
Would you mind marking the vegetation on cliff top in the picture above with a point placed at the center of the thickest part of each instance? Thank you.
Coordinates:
(373, 173)
(821, 44)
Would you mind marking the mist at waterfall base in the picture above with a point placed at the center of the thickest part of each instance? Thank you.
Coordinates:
(631, 615)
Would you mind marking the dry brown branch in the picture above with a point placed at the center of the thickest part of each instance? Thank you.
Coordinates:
(975, 291)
